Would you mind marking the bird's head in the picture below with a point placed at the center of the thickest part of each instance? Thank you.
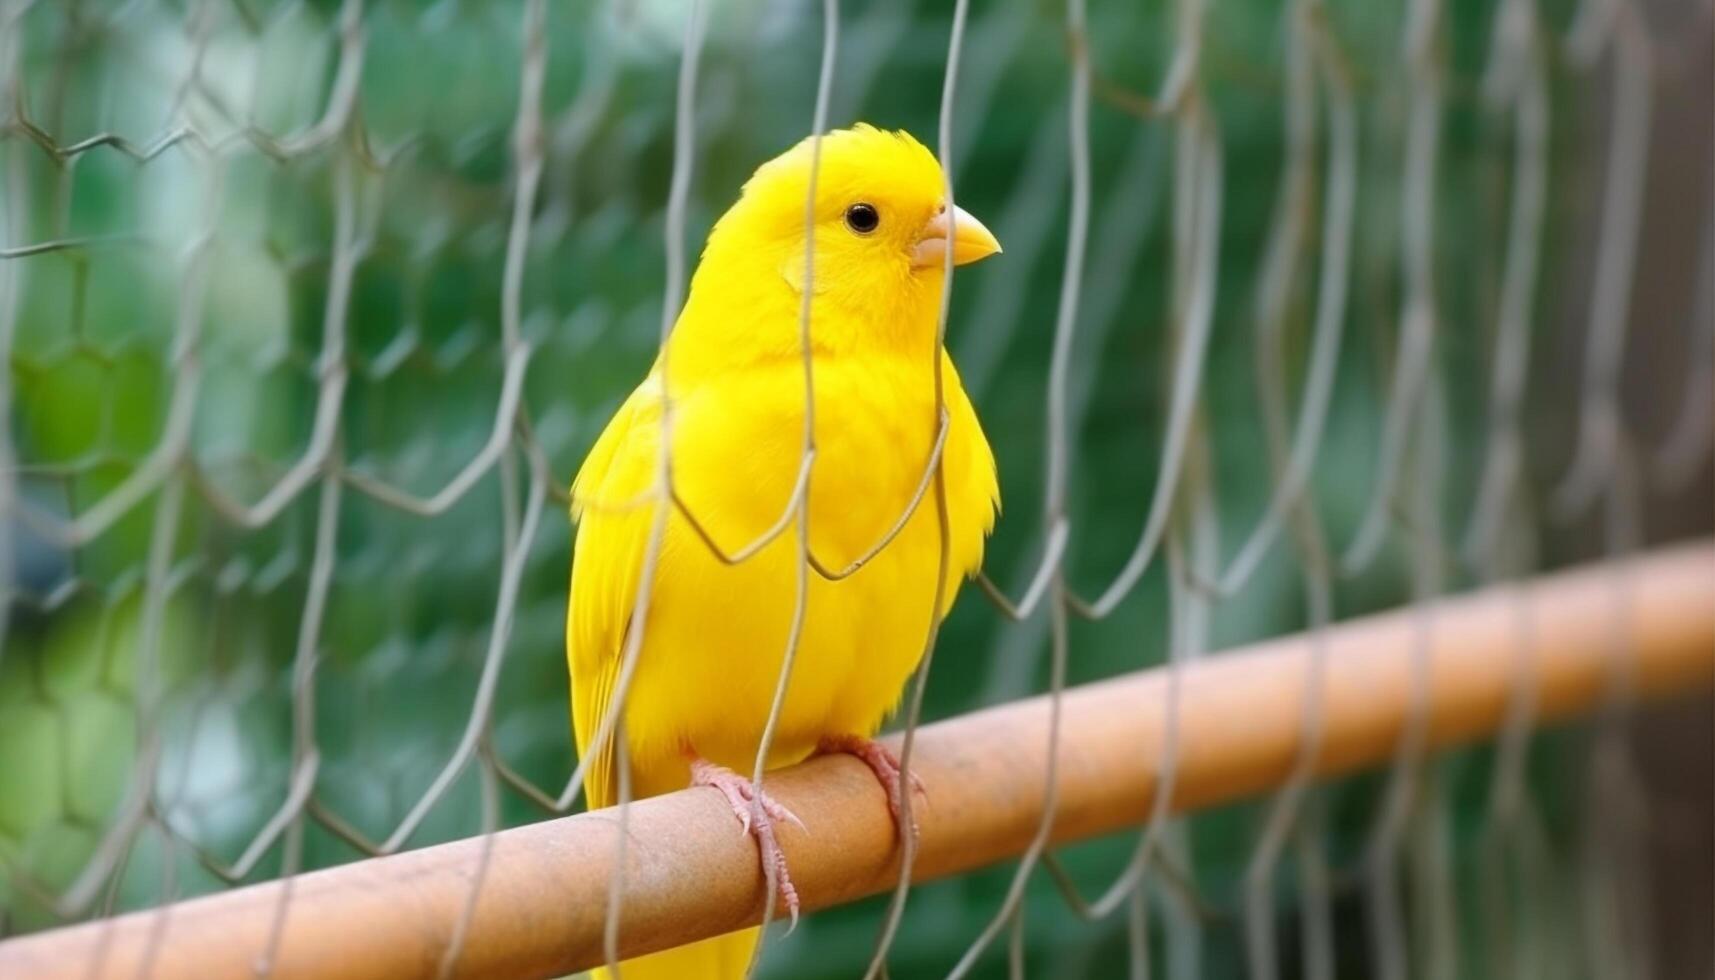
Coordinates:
(881, 227)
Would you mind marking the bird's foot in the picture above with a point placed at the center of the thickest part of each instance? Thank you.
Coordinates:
(881, 761)
(757, 812)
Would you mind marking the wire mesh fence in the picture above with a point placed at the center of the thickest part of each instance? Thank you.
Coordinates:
(311, 310)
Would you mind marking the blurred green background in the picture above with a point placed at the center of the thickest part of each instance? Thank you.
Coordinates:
(241, 237)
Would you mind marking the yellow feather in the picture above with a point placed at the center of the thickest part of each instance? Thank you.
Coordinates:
(715, 634)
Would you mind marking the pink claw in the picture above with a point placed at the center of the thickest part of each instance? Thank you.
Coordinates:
(743, 797)
(884, 764)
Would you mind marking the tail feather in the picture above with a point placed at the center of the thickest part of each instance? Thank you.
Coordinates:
(721, 958)
(724, 957)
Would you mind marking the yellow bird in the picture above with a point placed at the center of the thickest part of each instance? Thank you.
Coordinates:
(715, 633)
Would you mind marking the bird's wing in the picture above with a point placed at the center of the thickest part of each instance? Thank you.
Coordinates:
(610, 502)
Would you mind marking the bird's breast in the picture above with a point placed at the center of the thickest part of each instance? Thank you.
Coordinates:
(738, 453)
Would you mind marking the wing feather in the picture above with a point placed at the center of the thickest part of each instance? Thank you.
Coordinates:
(613, 523)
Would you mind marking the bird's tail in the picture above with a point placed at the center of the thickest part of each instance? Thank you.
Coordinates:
(725, 957)
(721, 958)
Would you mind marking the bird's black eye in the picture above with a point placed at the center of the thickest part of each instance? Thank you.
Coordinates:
(862, 218)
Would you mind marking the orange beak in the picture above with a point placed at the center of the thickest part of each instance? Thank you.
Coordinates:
(970, 239)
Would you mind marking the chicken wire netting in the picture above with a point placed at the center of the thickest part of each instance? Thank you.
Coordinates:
(312, 308)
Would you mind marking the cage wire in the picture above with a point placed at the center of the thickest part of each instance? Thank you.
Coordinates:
(311, 309)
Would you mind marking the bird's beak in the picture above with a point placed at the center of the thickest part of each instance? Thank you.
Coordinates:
(971, 241)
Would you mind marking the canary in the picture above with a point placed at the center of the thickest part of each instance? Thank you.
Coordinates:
(716, 633)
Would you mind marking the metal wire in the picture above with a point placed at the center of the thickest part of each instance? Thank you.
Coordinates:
(273, 516)
(1418, 317)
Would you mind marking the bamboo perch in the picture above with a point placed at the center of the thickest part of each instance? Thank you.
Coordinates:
(690, 873)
